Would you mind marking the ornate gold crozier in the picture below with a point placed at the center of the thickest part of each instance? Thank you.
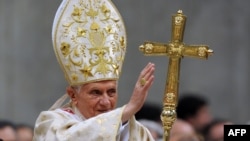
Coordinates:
(175, 50)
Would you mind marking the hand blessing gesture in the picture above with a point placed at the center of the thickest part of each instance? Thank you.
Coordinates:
(140, 92)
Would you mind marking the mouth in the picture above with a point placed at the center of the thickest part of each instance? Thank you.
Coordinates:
(103, 111)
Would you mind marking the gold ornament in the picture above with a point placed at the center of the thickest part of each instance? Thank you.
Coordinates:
(175, 50)
(89, 40)
(143, 81)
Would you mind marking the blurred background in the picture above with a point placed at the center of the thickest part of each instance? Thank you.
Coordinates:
(31, 79)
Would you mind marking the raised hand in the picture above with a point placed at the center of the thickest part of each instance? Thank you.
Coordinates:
(143, 84)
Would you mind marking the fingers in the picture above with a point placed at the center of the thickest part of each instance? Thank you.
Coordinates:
(147, 76)
(142, 86)
(149, 72)
(146, 70)
(148, 84)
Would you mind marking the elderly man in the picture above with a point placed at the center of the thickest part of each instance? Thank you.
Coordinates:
(89, 41)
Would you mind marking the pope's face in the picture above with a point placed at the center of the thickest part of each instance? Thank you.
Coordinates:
(95, 98)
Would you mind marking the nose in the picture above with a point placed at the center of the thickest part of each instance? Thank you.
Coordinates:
(104, 101)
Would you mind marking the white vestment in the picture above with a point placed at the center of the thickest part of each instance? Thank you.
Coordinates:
(67, 124)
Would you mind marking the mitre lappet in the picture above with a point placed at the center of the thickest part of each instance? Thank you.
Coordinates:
(89, 40)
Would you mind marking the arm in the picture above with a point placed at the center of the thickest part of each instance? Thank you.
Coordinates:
(140, 92)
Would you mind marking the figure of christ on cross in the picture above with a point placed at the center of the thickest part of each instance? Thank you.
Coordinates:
(175, 50)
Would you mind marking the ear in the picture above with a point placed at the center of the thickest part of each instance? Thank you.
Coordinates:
(72, 94)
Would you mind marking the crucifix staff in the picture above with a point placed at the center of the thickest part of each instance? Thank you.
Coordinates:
(175, 50)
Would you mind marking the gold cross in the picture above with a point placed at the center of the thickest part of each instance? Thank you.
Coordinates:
(175, 50)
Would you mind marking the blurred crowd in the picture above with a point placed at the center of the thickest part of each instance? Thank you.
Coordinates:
(9, 131)
(194, 122)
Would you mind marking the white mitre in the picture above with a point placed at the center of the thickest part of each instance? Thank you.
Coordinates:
(89, 40)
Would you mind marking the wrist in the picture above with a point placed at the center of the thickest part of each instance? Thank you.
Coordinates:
(128, 112)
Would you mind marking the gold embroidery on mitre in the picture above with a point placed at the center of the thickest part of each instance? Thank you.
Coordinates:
(86, 72)
(77, 15)
(74, 77)
(81, 32)
(105, 10)
(91, 12)
(116, 69)
(65, 48)
(77, 11)
(122, 42)
(89, 40)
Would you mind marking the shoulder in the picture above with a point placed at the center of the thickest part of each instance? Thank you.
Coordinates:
(55, 114)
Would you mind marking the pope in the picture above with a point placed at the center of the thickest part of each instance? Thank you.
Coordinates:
(89, 41)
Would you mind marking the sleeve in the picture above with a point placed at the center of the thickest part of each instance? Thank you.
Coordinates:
(124, 132)
(56, 126)
(135, 131)
(138, 132)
